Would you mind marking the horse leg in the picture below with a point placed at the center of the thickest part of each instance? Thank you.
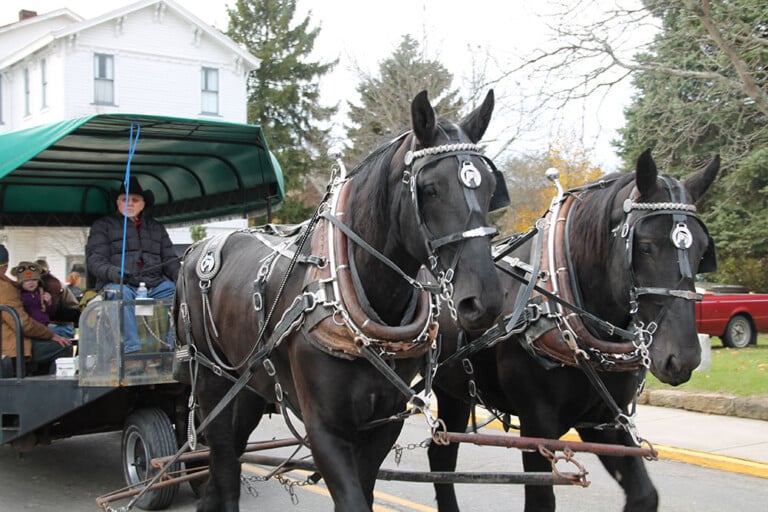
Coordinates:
(630, 472)
(539, 498)
(455, 414)
(374, 445)
(249, 409)
(223, 490)
(335, 452)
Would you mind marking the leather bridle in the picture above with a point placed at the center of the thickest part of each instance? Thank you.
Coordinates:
(470, 177)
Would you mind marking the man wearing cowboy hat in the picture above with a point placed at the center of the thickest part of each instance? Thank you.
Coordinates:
(149, 255)
(41, 345)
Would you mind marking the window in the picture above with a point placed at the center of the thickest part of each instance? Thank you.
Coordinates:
(210, 91)
(26, 92)
(43, 84)
(103, 79)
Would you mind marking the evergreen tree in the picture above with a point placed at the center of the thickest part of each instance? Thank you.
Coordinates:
(385, 109)
(283, 94)
(702, 91)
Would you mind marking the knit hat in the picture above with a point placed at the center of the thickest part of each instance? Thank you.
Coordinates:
(3, 255)
(26, 271)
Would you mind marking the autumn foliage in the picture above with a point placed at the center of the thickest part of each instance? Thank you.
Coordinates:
(531, 193)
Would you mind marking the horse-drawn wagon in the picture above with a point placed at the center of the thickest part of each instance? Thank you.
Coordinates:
(64, 175)
(360, 316)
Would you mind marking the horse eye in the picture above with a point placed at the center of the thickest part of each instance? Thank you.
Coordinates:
(645, 249)
(429, 190)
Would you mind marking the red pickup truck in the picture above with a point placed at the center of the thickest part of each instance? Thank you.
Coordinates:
(732, 314)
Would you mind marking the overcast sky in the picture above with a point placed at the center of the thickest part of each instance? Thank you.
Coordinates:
(367, 32)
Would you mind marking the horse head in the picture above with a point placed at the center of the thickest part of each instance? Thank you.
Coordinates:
(661, 244)
(438, 191)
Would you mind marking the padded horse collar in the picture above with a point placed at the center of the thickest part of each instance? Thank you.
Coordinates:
(339, 324)
(632, 353)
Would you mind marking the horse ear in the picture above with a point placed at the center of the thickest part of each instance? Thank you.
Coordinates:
(645, 174)
(423, 119)
(699, 182)
(475, 124)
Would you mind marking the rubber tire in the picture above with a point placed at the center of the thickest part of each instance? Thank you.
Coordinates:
(739, 332)
(148, 434)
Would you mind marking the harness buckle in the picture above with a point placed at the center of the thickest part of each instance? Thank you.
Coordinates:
(258, 301)
(269, 367)
(183, 354)
(323, 295)
(184, 311)
(310, 301)
(205, 285)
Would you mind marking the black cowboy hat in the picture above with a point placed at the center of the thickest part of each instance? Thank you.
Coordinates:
(134, 187)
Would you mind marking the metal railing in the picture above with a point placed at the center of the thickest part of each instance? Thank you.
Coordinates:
(19, 339)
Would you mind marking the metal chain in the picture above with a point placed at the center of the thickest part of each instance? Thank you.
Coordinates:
(153, 333)
(643, 341)
(579, 478)
(446, 294)
(288, 484)
(399, 449)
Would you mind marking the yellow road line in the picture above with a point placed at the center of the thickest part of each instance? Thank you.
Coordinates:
(322, 490)
(403, 502)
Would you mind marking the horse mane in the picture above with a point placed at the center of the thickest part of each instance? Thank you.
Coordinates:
(368, 206)
(592, 221)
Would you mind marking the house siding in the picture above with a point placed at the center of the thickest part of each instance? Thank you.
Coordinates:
(158, 57)
(157, 65)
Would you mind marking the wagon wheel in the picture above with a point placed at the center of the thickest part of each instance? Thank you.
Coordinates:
(739, 332)
(148, 434)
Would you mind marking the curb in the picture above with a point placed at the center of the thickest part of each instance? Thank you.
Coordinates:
(699, 458)
(755, 408)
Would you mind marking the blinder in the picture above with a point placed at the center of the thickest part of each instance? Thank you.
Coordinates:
(708, 261)
(468, 176)
(500, 197)
(680, 236)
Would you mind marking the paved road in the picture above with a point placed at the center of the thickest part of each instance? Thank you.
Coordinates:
(70, 474)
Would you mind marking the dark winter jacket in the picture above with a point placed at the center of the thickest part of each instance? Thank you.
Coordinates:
(149, 254)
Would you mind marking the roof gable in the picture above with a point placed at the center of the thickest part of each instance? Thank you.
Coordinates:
(161, 7)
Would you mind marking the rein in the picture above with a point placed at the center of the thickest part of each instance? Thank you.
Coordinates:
(328, 299)
(568, 341)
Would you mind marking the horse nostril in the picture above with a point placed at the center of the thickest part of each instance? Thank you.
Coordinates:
(470, 308)
(474, 313)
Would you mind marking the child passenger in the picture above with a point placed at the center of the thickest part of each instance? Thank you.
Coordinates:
(38, 303)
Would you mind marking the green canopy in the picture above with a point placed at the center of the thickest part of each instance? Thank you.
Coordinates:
(66, 174)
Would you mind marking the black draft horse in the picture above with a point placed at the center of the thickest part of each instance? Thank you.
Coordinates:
(349, 325)
(635, 246)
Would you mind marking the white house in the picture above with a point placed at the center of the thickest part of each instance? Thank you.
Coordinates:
(150, 57)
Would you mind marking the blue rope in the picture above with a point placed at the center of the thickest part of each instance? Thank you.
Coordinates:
(132, 143)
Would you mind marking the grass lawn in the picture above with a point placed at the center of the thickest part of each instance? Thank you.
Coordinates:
(740, 372)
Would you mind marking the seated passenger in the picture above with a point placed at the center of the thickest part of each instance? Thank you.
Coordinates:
(68, 310)
(149, 255)
(41, 345)
(73, 284)
(39, 303)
